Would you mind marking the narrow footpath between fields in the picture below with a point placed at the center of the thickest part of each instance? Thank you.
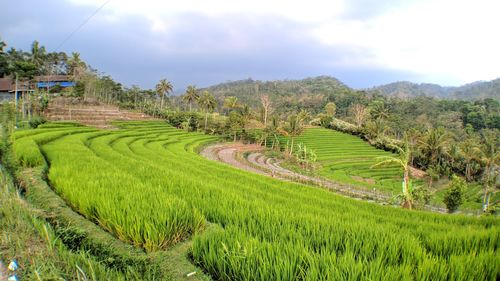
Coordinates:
(250, 157)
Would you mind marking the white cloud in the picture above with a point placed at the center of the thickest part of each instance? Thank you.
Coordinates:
(433, 38)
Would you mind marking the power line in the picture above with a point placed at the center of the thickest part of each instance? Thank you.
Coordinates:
(81, 25)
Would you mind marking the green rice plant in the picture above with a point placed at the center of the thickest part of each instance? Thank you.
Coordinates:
(27, 153)
(145, 184)
(347, 159)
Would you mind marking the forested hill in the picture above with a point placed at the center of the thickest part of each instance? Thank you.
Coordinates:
(249, 90)
(473, 91)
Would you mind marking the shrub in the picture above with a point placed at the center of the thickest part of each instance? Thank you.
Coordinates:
(37, 121)
(454, 197)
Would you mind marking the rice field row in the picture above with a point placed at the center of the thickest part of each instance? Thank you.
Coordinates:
(145, 184)
(347, 159)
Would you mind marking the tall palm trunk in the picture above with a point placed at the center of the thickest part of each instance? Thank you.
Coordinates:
(406, 189)
(486, 198)
(468, 171)
(206, 119)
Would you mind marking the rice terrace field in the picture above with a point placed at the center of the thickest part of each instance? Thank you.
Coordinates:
(347, 158)
(146, 184)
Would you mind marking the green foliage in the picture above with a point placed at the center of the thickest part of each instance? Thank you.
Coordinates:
(36, 121)
(454, 197)
(304, 156)
(27, 153)
(235, 124)
(38, 249)
(145, 185)
(421, 195)
(330, 109)
(473, 91)
(287, 96)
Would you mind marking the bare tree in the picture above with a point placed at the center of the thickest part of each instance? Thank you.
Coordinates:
(266, 105)
(360, 113)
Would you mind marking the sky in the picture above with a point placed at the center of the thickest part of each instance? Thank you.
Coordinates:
(363, 43)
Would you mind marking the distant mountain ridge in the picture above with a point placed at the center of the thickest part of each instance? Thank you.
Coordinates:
(248, 90)
(473, 91)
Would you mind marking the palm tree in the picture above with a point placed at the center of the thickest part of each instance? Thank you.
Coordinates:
(402, 160)
(246, 114)
(304, 116)
(190, 96)
(434, 146)
(411, 137)
(231, 103)
(293, 128)
(379, 110)
(163, 88)
(37, 54)
(208, 103)
(471, 153)
(376, 128)
(490, 159)
(75, 66)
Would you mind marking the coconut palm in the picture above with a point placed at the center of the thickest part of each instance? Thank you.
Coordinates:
(37, 54)
(208, 103)
(379, 110)
(163, 89)
(471, 153)
(411, 137)
(293, 128)
(490, 159)
(75, 66)
(402, 160)
(191, 96)
(231, 103)
(304, 116)
(434, 146)
(246, 114)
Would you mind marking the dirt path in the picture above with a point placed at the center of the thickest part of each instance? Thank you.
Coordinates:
(257, 162)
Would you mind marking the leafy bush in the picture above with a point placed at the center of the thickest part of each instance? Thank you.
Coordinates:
(454, 197)
(345, 127)
(37, 121)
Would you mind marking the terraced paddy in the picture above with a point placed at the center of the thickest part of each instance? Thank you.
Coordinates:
(146, 184)
(347, 159)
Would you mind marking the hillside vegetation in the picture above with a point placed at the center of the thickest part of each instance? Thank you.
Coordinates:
(473, 91)
(145, 184)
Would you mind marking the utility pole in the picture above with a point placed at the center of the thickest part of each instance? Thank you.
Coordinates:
(15, 103)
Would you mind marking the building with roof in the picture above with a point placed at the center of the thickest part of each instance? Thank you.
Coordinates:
(8, 84)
